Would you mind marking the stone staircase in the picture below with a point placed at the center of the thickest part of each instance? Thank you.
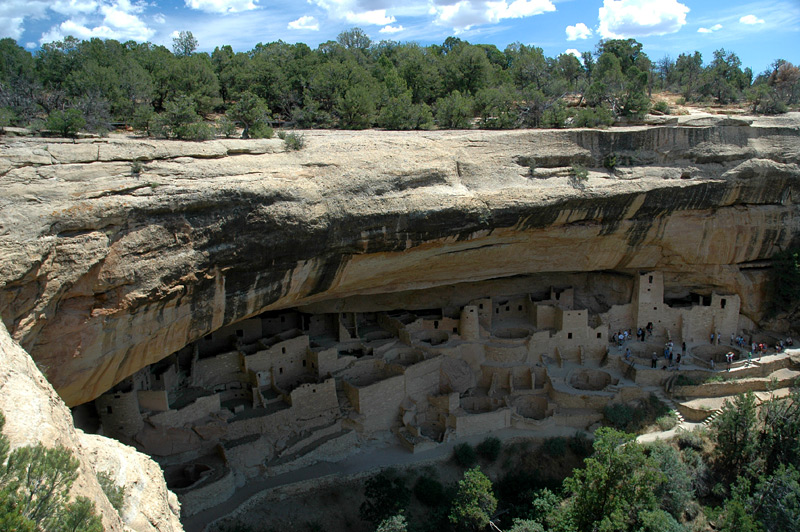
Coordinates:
(673, 408)
(711, 417)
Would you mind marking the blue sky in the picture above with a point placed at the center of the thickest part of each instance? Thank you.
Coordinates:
(759, 32)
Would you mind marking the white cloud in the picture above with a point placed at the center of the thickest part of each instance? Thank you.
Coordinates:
(620, 19)
(120, 20)
(578, 31)
(712, 29)
(464, 14)
(222, 6)
(377, 17)
(14, 12)
(159, 18)
(31, 45)
(391, 29)
(74, 7)
(304, 23)
(573, 51)
(751, 19)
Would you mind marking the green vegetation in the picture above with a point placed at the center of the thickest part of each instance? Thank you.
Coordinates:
(634, 417)
(386, 495)
(489, 449)
(355, 83)
(474, 503)
(34, 490)
(464, 454)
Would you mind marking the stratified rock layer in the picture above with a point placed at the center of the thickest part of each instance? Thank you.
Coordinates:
(104, 270)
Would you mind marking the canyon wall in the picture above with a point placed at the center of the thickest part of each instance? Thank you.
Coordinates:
(106, 267)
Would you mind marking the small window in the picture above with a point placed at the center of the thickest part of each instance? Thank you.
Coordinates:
(648, 289)
(519, 307)
(313, 390)
(569, 336)
(599, 335)
(723, 303)
(283, 350)
(655, 308)
(304, 363)
(497, 311)
(480, 306)
(508, 308)
(471, 311)
(312, 365)
(280, 371)
(455, 329)
(109, 410)
(435, 324)
(240, 333)
(651, 279)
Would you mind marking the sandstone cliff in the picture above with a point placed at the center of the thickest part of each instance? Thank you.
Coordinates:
(106, 267)
(35, 414)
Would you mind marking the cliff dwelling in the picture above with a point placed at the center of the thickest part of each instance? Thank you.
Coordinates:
(238, 311)
(281, 390)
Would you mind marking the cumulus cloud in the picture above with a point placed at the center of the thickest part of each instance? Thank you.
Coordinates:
(74, 7)
(304, 23)
(118, 19)
(751, 19)
(464, 14)
(573, 51)
(712, 29)
(391, 29)
(621, 19)
(14, 12)
(578, 31)
(377, 17)
(222, 6)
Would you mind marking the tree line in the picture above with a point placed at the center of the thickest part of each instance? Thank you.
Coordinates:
(355, 83)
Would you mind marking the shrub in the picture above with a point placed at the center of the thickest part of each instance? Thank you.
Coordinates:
(578, 176)
(593, 117)
(610, 161)
(34, 490)
(115, 494)
(142, 118)
(690, 440)
(195, 131)
(429, 491)
(662, 107)
(66, 123)
(261, 131)
(555, 447)
(474, 503)
(282, 134)
(136, 168)
(464, 455)
(580, 444)
(226, 127)
(454, 111)
(294, 142)
(386, 495)
(667, 422)
(489, 449)
(680, 101)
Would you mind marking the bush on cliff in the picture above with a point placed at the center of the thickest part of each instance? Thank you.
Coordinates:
(34, 490)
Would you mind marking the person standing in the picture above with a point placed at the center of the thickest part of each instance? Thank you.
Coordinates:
(654, 360)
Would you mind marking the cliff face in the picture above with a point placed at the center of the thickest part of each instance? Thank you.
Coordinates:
(35, 414)
(104, 270)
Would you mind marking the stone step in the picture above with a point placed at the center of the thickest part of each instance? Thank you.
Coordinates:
(714, 415)
(671, 405)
